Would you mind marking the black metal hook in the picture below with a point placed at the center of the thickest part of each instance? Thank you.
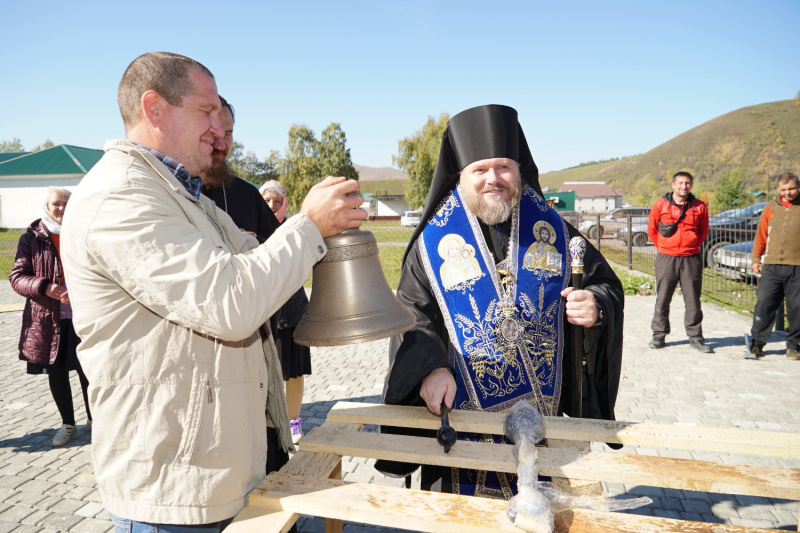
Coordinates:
(446, 436)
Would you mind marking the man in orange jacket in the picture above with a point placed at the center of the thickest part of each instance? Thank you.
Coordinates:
(678, 225)
(778, 240)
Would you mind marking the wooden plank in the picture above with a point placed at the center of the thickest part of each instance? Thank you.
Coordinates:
(727, 440)
(686, 474)
(320, 465)
(262, 520)
(382, 506)
(429, 511)
(586, 521)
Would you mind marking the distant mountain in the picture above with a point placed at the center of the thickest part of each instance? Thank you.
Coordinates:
(762, 141)
(379, 173)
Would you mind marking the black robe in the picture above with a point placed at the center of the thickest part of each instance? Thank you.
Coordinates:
(245, 205)
(248, 209)
(418, 352)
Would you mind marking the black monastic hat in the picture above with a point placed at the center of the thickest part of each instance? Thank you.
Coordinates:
(483, 132)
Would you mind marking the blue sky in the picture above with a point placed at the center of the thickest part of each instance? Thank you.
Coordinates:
(590, 79)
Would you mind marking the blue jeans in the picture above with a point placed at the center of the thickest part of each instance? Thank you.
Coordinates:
(123, 525)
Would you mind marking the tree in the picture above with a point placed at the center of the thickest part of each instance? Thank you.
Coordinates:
(729, 191)
(247, 166)
(45, 145)
(333, 154)
(417, 157)
(14, 145)
(307, 161)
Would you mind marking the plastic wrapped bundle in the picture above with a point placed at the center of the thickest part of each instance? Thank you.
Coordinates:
(532, 508)
(529, 509)
(523, 419)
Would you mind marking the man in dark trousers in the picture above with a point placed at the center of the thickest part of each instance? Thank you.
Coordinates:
(678, 225)
(778, 240)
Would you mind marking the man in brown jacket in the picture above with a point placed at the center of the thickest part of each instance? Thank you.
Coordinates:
(778, 240)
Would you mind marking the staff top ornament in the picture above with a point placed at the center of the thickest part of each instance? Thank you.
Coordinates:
(577, 249)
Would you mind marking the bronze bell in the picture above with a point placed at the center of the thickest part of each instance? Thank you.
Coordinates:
(351, 300)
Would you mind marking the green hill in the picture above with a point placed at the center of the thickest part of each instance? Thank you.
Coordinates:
(762, 141)
(383, 187)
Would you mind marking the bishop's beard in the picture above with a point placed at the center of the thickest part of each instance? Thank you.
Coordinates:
(218, 176)
(492, 211)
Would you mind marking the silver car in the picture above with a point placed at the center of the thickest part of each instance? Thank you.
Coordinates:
(734, 261)
(639, 235)
(613, 220)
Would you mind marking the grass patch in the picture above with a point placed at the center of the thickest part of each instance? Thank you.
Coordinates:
(632, 283)
(391, 259)
(8, 249)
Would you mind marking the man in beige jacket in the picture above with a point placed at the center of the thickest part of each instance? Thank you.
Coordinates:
(168, 298)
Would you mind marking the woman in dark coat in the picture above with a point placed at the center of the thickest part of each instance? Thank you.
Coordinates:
(48, 341)
(295, 359)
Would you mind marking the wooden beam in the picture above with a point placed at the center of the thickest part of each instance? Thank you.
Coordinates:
(315, 465)
(751, 480)
(429, 511)
(726, 440)
(262, 520)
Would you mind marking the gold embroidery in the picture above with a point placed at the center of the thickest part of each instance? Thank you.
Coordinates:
(460, 268)
(499, 371)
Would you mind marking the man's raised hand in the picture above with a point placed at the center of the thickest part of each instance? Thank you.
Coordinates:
(331, 207)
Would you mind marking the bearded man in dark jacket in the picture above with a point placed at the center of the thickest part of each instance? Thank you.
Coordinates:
(245, 205)
(237, 197)
(492, 321)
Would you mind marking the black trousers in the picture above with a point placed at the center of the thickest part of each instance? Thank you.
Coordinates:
(670, 271)
(777, 282)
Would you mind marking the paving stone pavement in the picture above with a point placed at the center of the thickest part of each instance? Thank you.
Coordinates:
(53, 489)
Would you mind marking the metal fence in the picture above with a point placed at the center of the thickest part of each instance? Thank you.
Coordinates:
(727, 273)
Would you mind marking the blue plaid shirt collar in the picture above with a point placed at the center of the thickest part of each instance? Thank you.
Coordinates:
(191, 184)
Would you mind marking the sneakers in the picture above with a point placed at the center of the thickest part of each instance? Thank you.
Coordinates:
(64, 435)
(700, 346)
(792, 354)
(656, 343)
(297, 429)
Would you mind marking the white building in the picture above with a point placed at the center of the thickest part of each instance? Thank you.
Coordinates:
(390, 205)
(593, 196)
(25, 177)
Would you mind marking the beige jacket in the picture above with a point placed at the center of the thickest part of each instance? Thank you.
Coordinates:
(168, 296)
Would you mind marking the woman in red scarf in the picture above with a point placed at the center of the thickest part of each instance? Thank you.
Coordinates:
(48, 341)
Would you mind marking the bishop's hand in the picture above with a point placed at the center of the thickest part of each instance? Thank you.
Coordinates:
(439, 386)
(581, 308)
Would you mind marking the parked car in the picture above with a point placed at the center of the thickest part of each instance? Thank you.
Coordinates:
(730, 227)
(410, 219)
(614, 219)
(639, 232)
(735, 261)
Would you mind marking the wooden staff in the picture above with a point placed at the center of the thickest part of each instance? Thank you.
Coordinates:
(577, 249)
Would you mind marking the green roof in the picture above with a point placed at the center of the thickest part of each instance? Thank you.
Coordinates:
(61, 159)
(5, 156)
